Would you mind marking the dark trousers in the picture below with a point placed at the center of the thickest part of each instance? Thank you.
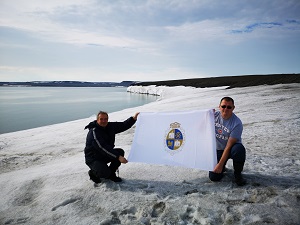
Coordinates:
(101, 169)
(238, 156)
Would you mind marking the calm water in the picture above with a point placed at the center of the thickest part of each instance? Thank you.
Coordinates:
(29, 107)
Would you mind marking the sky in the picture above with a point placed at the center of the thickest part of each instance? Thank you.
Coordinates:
(147, 40)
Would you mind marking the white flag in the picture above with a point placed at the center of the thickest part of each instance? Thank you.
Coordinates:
(184, 138)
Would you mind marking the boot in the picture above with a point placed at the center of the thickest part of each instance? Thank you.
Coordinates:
(114, 178)
(113, 175)
(238, 178)
(93, 177)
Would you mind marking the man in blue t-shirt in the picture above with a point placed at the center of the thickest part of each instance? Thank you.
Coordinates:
(229, 130)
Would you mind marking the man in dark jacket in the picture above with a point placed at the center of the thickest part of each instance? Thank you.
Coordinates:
(100, 147)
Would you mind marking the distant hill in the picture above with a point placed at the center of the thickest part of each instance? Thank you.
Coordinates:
(230, 81)
(67, 84)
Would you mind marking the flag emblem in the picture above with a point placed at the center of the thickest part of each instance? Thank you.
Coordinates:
(174, 138)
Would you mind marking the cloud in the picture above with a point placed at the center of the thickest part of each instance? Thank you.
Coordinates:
(144, 38)
(135, 24)
(293, 22)
(262, 25)
(202, 30)
(56, 22)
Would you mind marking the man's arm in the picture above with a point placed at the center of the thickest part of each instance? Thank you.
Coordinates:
(125, 125)
(121, 158)
(219, 167)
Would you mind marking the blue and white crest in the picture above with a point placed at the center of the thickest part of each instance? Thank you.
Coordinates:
(174, 138)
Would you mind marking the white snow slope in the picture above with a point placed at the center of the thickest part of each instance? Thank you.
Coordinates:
(44, 179)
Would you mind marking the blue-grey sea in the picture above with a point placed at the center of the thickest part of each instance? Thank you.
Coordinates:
(29, 107)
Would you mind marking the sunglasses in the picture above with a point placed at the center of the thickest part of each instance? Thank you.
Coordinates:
(228, 106)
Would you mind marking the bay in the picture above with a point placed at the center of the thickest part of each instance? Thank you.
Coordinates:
(29, 107)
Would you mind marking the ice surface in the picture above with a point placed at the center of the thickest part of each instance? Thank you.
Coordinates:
(44, 178)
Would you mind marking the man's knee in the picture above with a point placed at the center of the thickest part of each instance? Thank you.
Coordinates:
(238, 152)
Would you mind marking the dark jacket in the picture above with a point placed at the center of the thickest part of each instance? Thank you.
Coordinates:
(100, 141)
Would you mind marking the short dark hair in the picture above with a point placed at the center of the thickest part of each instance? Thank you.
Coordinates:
(227, 99)
(102, 112)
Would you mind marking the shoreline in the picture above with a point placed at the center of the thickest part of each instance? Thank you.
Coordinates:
(226, 81)
(230, 81)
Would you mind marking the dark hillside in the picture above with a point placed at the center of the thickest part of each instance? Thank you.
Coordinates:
(231, 81)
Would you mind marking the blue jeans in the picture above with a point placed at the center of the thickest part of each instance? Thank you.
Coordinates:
(238, 156)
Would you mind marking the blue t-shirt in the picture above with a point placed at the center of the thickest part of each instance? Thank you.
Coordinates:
(231, 127)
